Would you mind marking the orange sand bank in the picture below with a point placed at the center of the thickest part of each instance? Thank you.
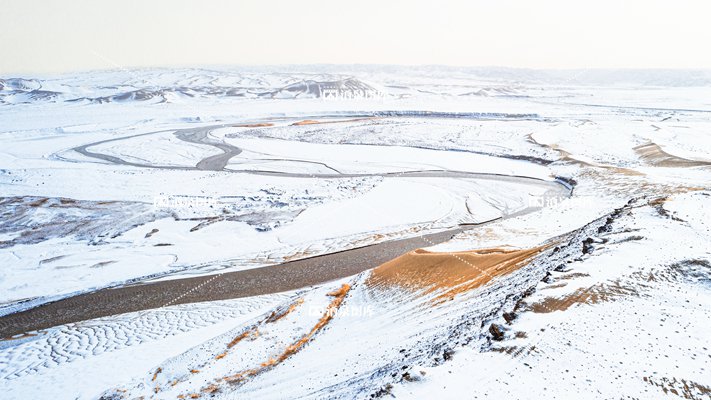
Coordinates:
(314, 122)
(258, 125)
(449, 273)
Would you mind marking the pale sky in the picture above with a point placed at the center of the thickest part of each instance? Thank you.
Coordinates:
(64, 35)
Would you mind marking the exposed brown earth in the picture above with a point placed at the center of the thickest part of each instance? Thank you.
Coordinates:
(600, 293)
(449, 274)
(314, 122)
(655, 155)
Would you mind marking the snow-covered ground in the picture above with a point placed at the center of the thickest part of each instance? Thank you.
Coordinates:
(115, 177)
(629, 320)
(93, 350)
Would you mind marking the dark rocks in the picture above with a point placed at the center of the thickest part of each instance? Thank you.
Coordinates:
(411, 378)
(509, 316)
(562, 268)
(587, 245)
(548, 278)
(497, 331)
(448, 354)
(383, 391)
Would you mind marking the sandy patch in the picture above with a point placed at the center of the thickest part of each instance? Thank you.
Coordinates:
(306, 122)
(653, 154)
(570, 158)
(259, 125)
(448, 274)
(314, 122)
(595, 294)
(339, 295)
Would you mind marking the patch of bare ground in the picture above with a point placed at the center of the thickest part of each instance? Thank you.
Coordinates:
(595, 294)
(555, 286)
(680, 387)
(251, 332)
(632, 238)
(690, 271)
(448, 274)
(314, 122)
(305, 122)
(217, 385)
(621, 180)
(572, 275)
(276, 315)
(155, 375)
(653, 154)
(151, 233)
(620, 184)
(338, 295)
(569, 158)
(515, 351)
(258, 125)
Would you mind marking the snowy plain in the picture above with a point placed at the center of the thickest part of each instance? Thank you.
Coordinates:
(104, 181)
